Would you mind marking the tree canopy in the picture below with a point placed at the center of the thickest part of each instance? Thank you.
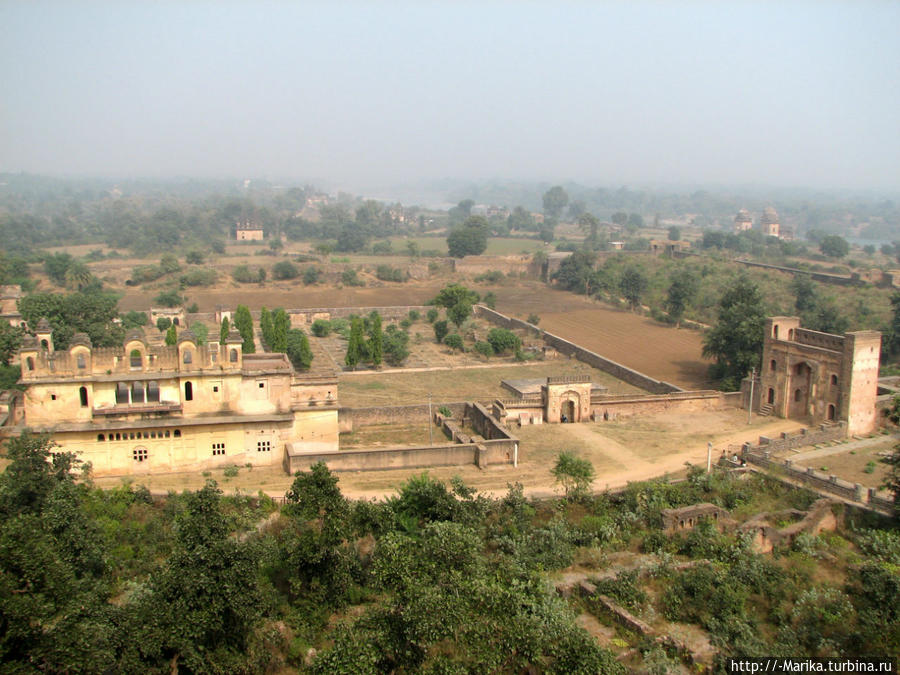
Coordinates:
(470, 238)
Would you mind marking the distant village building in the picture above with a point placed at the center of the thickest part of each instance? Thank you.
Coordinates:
(668, 247)
(819, 377)
(769, 222)
(742, 221)
(248, 230)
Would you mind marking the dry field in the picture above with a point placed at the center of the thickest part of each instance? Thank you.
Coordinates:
(358, 390)
(849, 460)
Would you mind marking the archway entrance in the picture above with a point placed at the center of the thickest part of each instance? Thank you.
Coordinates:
(799, 389)
(569, 411)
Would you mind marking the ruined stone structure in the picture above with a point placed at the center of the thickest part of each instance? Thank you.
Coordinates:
(742, 221)
(9, 307)
(687, 517)
(769, 223)
(819, 377)
(140, 409)
(248, 230)
(566, 398)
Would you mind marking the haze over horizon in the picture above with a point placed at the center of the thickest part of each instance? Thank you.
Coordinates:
(371, 95)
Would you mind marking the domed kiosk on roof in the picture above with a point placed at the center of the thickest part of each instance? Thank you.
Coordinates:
(769, 222)
(742, 221)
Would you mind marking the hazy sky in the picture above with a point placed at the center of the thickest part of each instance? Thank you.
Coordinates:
(772, 93)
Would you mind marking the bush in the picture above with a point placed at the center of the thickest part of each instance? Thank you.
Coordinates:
(503, 340)
(298, 350)
(285, 270)
(311, 275)
(244, 275)
(414, 315)
(440, 330)
(349, 278)
(534, 319)
(388, 273)
(200, 277)
(163, 323)
(431, 315)
(492, 277)
(445, 411)
(454, 341)
(484, 348)
(231, 471)
(171, 298)
(394, 346)
(169, 263)
(146, 273)
(321, 328)
(194, 257)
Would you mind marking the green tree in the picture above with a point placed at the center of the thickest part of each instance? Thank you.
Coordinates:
(224, 329)
(674, 233)
(10, 341)
(201, 331)
(440, 330)
(298, 350)
(79, 277)
(133, 319)
(281, 325)
(589, 224)
(311, 275)
(633, 285)
(577, 274)
(459, 313)
(91, 313)
(195, 257)
(169, 263)
(892, 479)
(834, 246)
(56, 265)
(284, 270)
(555, 200)
(682, 291)
(574, 473)
(376, 339)
(355, 344)
(805, 295)
(468, 239)
(453, 294)
(265, 327)
(243, 322)
(171, 335)
(735, 342)
(163, 323)
(503, 340)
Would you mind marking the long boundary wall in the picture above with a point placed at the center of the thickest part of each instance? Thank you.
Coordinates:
(563, 346)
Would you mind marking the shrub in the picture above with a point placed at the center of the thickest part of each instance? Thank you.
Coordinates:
(454, 341)
(534, 319)
(349, 278)
(394, 346)
(285, 270)
(200, 277)
(492, 277)
(382, 248)
(484, 348)
(311, 275)
(445, 411)
(298, 350)
(388, 273)
(431, 315)
(231, 471)
(503, 340)
(171, 298)
(244, 275)
(194, 257)
(321, 328)
(146, 273)
(490, 300)
(440, 330)
(414, 315)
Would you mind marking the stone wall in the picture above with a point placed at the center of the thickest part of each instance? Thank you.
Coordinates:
(761, 455)
(563, 346)
(353, 418)
(447, 454)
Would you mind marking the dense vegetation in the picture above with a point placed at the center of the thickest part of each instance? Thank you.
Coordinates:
(433, 579)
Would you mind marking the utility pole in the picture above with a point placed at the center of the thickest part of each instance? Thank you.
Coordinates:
(430, 422)
(709, 457)
(750, 403)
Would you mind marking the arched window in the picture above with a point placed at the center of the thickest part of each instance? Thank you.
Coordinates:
(798, 394)
(834, 380)
(121, 393)
(830, 412)
(29, 363)
(175, 321)
(79, 361)
(82, 394)
(137, 392)
(45, 344)
(188, 357)
(772, 364)
(771, 397)
(188, 391)
(153, 392)
(101, 437)
(775, 332)
(136, 359)
(177, 433)
(232, 355)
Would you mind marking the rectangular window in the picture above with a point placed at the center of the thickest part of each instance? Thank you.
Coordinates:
(139, 454)
(218, 448)
(263, 446)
